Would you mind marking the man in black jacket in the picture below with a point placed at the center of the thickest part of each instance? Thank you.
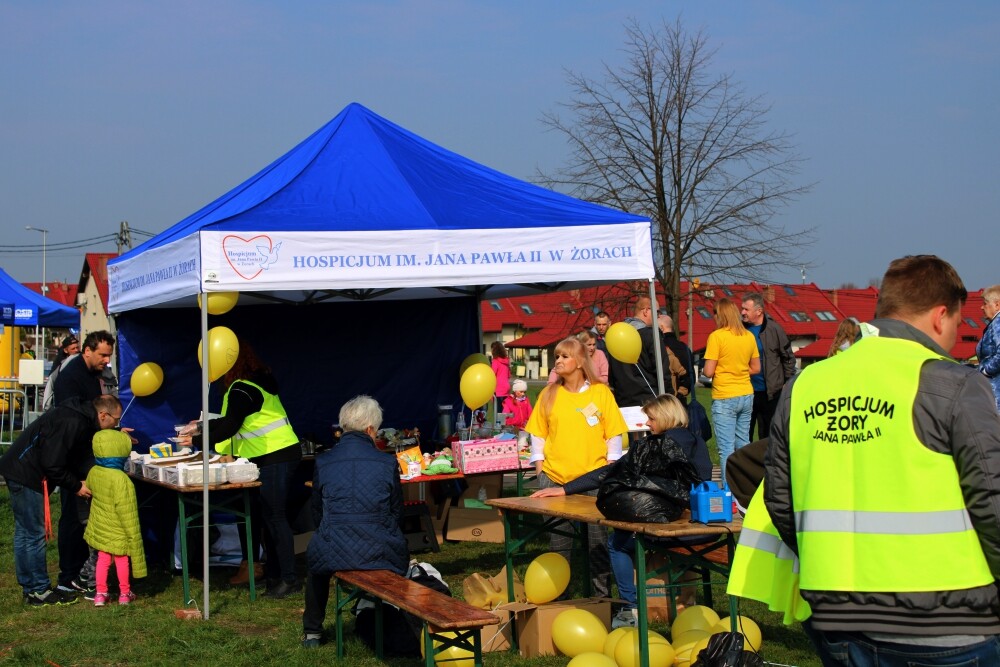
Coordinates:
(55, 450)
(635, 384)
(81, 376)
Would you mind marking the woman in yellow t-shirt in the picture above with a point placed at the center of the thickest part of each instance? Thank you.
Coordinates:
(731, 357)
(576, 427)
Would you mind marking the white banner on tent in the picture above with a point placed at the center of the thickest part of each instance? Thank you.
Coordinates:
(250, 261)
(156, 276)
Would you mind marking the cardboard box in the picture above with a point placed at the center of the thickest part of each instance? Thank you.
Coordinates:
(491, 484)
(533, 623)
(474, 525)
(472, 456)
(497, 637)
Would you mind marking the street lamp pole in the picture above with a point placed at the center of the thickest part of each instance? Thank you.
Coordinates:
(45, 288)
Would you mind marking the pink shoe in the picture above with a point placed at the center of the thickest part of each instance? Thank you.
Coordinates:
(100, 599)
(126, 598)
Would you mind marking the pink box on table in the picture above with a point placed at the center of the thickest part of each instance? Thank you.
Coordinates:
(491, 455)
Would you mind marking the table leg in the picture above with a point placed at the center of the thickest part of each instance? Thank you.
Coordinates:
(640, 600)
(338, 621)
(250, 554)
(583, 531)
(182, 525)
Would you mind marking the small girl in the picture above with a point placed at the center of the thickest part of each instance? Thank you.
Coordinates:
(113, 528)
(517, 405)
(668, 418)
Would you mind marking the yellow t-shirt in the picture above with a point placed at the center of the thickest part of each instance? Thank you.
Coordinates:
(573, 446)
(733, 354)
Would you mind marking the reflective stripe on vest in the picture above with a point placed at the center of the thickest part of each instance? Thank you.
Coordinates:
(883, 523)
(764, 568)
(875, 509)
(262, 432)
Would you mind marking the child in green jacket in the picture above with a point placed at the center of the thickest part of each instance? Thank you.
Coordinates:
(113, 528)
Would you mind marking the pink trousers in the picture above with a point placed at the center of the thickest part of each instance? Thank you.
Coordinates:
(121, 567)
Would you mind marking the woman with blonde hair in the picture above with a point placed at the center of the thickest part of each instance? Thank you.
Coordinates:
(667, 420)
(598, 359)
(847, 333)
(576, 427)
(731, 357)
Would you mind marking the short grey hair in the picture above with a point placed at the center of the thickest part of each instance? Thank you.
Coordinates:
(991, 293)
(359, 413)
(756, 297)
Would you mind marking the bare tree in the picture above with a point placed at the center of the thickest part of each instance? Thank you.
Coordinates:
(666, 137)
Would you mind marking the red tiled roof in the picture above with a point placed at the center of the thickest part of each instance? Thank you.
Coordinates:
(856, 303)
(64, 293)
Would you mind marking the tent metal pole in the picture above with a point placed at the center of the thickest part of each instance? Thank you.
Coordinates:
(205, 447)
(657, 343)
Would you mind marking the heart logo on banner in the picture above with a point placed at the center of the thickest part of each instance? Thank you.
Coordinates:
(248, 257)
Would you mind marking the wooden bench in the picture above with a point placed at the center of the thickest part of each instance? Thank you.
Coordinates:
(439, 613)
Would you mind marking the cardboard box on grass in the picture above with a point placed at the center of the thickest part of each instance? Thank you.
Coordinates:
(533, 623)
(490, 593)
(474, 525)
(657, 600)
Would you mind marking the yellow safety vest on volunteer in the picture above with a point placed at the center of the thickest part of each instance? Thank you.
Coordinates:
(263, 432)
(764, 568)
(875, 510)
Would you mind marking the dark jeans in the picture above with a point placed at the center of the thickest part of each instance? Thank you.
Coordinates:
(276, 480)
(763, 412)
(73, 550)
(317, 597)
(28, 507)
(853, 649)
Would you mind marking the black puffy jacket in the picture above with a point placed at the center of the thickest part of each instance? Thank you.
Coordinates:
(56, 446)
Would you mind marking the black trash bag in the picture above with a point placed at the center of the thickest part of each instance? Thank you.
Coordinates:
(725, 649)
(650, 484)
(400, 629)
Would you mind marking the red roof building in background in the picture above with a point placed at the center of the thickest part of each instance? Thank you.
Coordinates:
(64, 293)
(809, 315)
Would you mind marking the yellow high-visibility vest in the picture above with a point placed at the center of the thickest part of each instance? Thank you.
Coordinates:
(875, 510)
(263, 432)
(764, 568)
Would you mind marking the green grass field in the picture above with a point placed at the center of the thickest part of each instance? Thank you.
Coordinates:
(264, 632)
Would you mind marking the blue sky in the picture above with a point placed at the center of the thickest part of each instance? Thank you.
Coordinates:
(145, 111)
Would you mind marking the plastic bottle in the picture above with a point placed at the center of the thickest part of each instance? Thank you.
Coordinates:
(482, 494)
(460, 422)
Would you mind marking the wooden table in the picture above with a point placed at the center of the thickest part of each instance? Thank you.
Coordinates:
(192, 496)
(581, 510)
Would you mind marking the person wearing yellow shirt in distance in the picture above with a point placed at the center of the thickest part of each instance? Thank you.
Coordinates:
(731, 357)
(576, 427)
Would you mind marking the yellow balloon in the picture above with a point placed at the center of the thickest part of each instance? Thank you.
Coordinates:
(577, 631)
(451, 656)
(546, 578)
(745, 625)
(223, 348)
(612, 641)
(592, 660)
(146, 379)
(684, 643)
(698, 648)
(661, 653)
(623, 342)
(695, 617)
(477, 385)
(474, 358)
(220, 302)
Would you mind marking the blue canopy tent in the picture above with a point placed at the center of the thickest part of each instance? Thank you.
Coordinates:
(405, 236)
(32, 309)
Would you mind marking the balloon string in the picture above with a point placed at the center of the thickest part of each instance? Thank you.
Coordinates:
(125, 410)
(648, 386)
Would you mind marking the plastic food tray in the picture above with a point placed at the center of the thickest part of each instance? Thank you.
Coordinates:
(241, 472)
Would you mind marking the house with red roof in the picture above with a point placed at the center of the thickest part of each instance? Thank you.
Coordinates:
(92, 293)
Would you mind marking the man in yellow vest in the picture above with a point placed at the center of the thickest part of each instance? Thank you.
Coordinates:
(883, 476)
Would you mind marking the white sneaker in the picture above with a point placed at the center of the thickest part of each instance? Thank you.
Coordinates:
(625, 618)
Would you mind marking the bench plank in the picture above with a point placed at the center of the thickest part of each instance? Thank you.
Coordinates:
(439, 610)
